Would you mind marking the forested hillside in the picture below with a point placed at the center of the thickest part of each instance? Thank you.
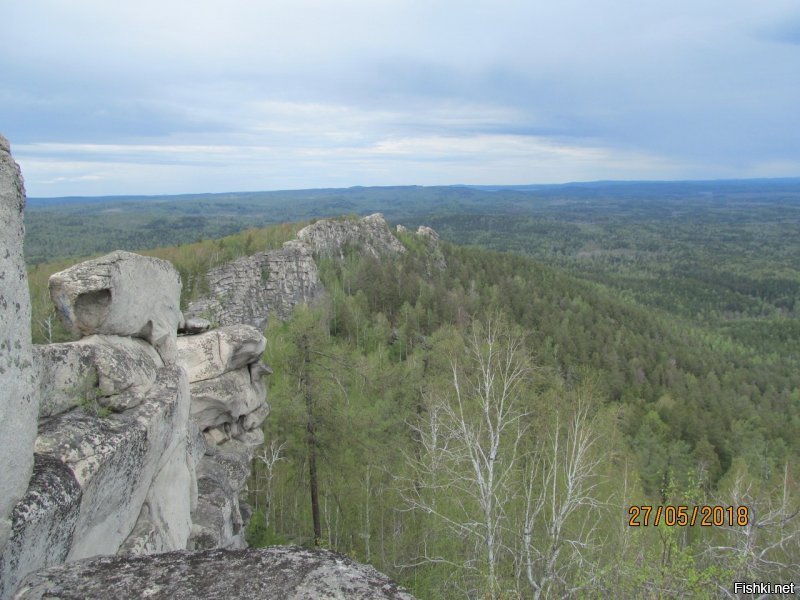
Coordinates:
(483, 430)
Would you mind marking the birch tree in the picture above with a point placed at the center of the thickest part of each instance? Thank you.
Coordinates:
(470, 438)
(560, 522)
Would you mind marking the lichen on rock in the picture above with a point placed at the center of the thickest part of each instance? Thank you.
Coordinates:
(288, 573)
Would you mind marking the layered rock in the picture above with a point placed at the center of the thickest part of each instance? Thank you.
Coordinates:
(228, 407)
(115, 372)
(332, 238)
(288, 573)
(18, 391)
(252, 288)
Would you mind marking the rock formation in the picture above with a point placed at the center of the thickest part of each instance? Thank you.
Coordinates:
(251, 288)
(228, 407)
(331, 238)
(105, 295)
(435, 257)
(18, 391)
(125, 461)
(281, 573)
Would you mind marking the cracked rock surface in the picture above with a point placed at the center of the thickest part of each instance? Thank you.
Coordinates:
(286, 573)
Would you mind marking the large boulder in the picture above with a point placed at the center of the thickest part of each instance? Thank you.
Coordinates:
(209, 355)
(288, 573)
(124, 294)
(18, 389)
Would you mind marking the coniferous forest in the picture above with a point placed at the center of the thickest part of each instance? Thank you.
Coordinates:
(500, 428)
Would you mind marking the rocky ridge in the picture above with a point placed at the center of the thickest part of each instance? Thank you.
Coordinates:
(331, 238)
(253, 288)
(145, 438)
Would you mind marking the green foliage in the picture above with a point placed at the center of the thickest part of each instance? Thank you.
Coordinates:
(87, 396)
(667, 421)
(260, 535)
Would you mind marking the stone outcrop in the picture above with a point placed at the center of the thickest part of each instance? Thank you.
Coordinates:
(219, 351)
(228, 407)
(18, 390)
(252, 288)
(126, 460)
(435, 257)
(288, 573)
(116, 372)
(113, 463)
(107, 295)
(332, 238)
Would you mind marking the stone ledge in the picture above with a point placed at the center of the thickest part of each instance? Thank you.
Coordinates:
(289, 573)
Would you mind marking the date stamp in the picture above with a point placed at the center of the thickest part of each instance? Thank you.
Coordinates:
(682, 516)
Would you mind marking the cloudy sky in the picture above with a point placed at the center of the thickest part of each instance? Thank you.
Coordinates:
(169, 96)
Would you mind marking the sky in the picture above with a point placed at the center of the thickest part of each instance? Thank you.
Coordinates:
(176, 96)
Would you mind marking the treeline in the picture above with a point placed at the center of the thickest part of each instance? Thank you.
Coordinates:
(482, 431)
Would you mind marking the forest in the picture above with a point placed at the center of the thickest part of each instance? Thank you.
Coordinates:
(488, 430)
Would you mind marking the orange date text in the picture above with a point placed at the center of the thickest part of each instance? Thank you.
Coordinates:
(681, 516)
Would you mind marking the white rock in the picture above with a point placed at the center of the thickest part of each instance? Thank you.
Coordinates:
(96, 366)
(369, 235)
(124, 294)
(211, 354)
(115, 460)
(225, 399)
(18, 388)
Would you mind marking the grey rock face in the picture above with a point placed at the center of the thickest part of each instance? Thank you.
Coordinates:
(228, 406)
(225, 399)
(218, 520)
(94, 475)
(43, 522)
(123, 294)
(369, 235)
(252, 288)
(116, 460)
(18, 389)
(211, 354)
(288, 573)
(102, 367)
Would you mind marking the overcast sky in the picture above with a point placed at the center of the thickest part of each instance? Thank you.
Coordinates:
(169, 96)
